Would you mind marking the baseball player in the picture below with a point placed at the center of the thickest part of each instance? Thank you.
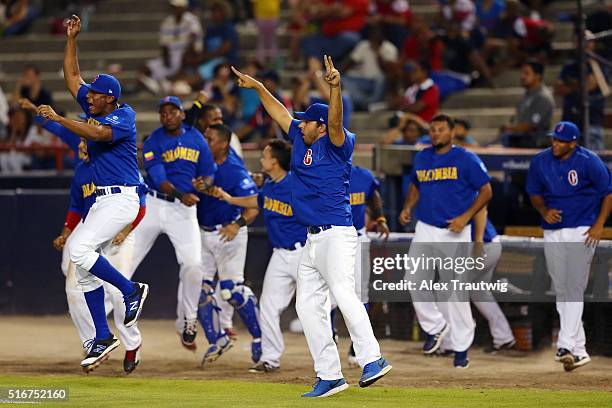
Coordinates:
(224, 246)
(287, 237)
(483, 232)
(111, 134)
(321, 165)
(449, 185)
(363, 192)
(173, 156)
(571, 188)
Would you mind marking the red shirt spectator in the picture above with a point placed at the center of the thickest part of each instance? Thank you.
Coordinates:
(394, 8)
(423, 44)
(423, 97)
(354, 21)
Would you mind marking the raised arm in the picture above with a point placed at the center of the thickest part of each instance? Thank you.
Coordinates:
(275, 109)
(72, 73)
(335, 127)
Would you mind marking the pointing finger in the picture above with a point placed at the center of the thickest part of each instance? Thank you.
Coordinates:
(238, 73)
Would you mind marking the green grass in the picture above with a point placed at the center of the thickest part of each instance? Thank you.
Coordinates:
(93, 392)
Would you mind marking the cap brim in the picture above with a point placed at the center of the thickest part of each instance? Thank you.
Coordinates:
(300, 115)
(170, 103)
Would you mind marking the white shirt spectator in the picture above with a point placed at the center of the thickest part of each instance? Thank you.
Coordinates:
(367, 61)
(177, 36)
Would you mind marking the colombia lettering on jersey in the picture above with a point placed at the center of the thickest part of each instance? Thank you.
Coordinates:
(88, 189)
(358, 198)
(278, 207)
(92, 121)
(182, 153)
(441, 173)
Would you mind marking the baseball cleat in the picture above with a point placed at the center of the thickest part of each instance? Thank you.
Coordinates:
(434, 341)
(577, 363)
(131, 360)
(189, 334)
(256, 350)
(98, 353)
(461, 360)
(374, 371)
(134, 303)
(493, 349)
(263, 367)
(564, 356)
(351, 358)
(326, 388)
(216, 350)
(231, 333)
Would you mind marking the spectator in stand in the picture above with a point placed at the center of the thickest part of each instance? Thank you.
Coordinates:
(462, 137)
(395, 17)
(422, 97)
(407, 129)
(262, 127)
(422, 44)
(312, 88)
(598, 20)
(30, 87)
(267, 14)
(567, 86)
(365, 70)
(534, 111)
(223, 92)
(16, 16)
(489, 13)
(297, 28)
(341, 24)
(220, 42)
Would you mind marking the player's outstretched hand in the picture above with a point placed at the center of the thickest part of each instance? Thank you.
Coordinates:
(27, 104)
(552, 216)
(190, 199)
(404, 217)
(593, 235)
(383, 229)
(47, 112)
(244, 80)
(457, 224)
(332, 75)
(73, 26)
(229, 232)
(59, 242)
(218, 193)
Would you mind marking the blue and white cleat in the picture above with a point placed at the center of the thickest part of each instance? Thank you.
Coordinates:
(433, 342)
(134, 303)
(326, 388)
(374, 371)
(216, 350)
(461, 360)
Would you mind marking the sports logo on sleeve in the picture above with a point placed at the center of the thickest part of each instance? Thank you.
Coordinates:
(572, 177)
(308, 157)
(148, 156)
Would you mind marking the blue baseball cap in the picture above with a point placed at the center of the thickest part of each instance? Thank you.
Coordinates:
(170, 100)
(565, 131)
(105, 84)
(317, 112)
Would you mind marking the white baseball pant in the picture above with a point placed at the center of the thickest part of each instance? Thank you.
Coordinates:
(120, 257)
(432, 241)
(226, 259)
(180, 223)
(568, 261)
(327, 264)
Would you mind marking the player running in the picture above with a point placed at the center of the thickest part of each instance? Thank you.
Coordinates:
(173, 156)
(571, 188)
(287, 237)
(321, 165)
(111, 134)
(224, 247)
(449, 185)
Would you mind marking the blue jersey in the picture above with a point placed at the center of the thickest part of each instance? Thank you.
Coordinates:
(321, 179)
(448, 183)
(233, 177)
(177, 159)
(362, 185)
(489, 233)
(274, 199)
(115, 162)
(575, 186)
(83, 189)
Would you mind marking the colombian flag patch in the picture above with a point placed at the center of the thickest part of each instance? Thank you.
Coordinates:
(148, 156)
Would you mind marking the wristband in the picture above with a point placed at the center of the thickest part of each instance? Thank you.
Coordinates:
(241, 221)
(176, 194)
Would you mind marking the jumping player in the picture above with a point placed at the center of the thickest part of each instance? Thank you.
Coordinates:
(321, 165)
(571, 188)
(449, 185)
(224, 246)
(287, 237)
(173, 156)
(111, 134)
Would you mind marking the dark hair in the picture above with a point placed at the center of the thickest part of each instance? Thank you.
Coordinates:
(31, 67)
(208, 107)
(224, 132)
(425, 66)
(281, 151)
(463, 123)
(441, 117)
(536, 66)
